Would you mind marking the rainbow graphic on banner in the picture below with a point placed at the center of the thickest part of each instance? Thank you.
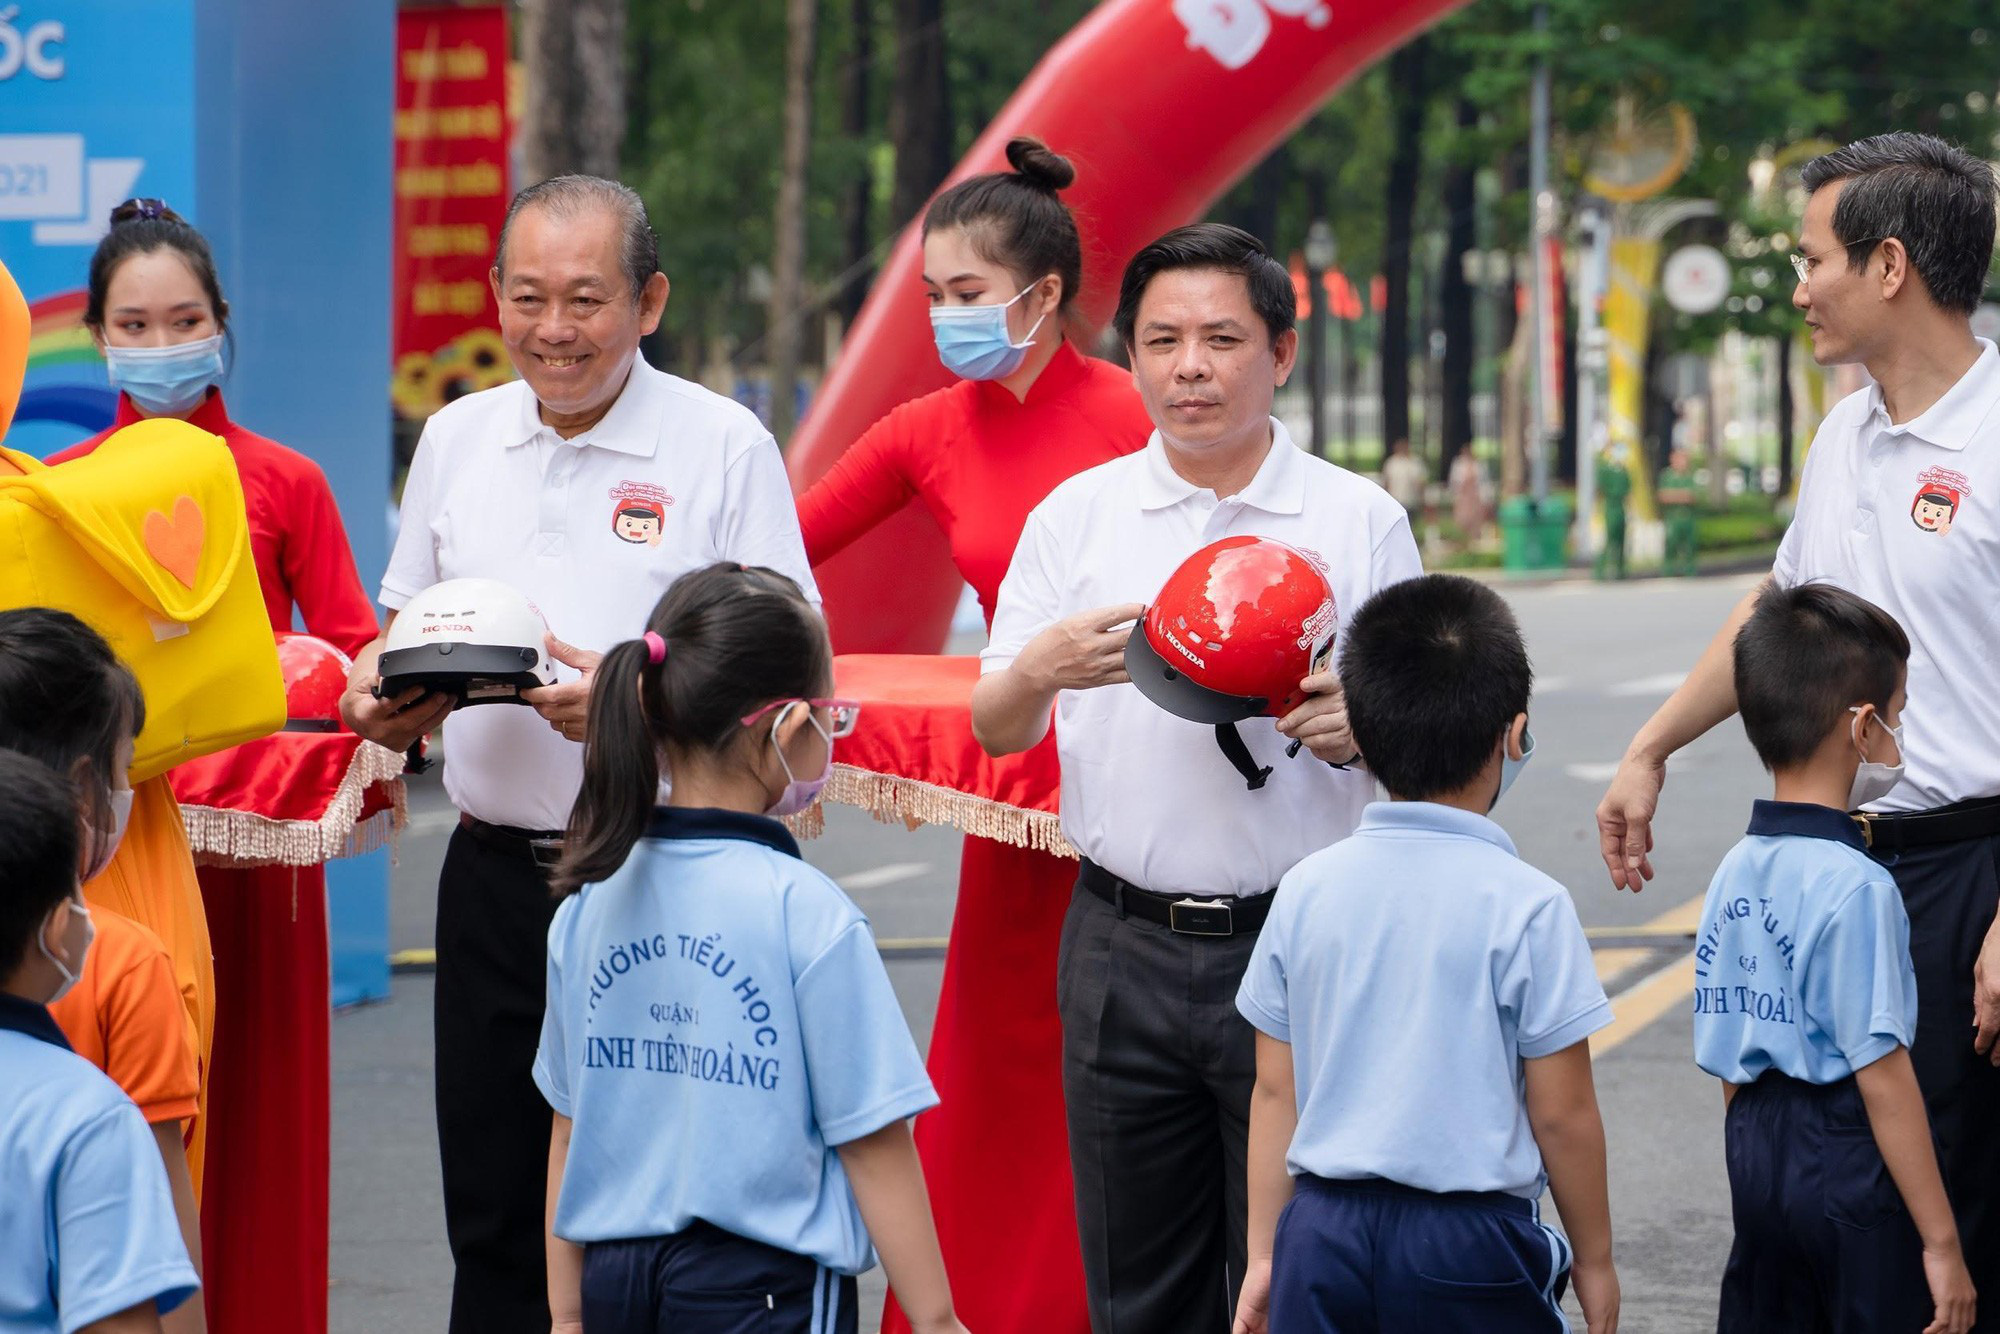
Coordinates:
(79, 393)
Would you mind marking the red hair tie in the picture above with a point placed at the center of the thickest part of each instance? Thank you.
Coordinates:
(656, 648)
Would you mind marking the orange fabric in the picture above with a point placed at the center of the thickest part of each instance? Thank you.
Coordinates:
(152, 881)
(125, 1016)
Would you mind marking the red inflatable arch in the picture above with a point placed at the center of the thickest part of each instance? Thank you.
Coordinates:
(1162, 105)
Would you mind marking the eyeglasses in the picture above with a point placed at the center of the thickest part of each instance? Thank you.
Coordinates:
(845, 713)
(1803, 264)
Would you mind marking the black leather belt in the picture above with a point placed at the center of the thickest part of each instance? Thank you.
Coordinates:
(1978, 818)
(1183, 913)
(541, 846)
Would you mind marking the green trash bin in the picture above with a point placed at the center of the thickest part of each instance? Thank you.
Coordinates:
(1535, 537)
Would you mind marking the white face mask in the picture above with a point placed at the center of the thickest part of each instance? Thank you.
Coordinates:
(104, 842)
(799, 792)
(1873, 781)
(42, 943)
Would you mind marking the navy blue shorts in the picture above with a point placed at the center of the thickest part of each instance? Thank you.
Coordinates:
(1823, 1242)
(703, 1280)
(1374, 1257)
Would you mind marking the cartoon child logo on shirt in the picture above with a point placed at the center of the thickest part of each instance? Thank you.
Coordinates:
(1940, 493)
(639, 513)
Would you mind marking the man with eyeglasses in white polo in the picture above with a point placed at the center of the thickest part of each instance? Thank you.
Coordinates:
(1899, 503)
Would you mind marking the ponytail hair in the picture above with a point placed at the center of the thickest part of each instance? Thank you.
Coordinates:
(736, 638)
(1014, 219)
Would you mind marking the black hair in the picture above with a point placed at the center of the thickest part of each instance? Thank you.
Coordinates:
(1210, 245)
(1435, 672)
(1806, 655)
(569, 197)
(1013, 218)
(64, 697)
(139, 227)
(1934, 197)
(38, 851)
(737, 637)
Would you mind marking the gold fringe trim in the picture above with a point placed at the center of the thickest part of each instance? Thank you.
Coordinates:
(221, 837)
(892, 799)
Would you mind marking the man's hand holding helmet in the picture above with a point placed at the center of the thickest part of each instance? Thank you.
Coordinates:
(1321, 722)
(1082, 652)
(398, 721)
(566, 706)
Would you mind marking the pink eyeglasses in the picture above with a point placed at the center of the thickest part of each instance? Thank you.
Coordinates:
(845, 712)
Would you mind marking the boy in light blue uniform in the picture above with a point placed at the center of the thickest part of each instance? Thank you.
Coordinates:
(88, 1237)
(1422, 999)
(1805, 999)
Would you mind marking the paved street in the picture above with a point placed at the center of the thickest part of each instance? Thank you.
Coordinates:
(1605, 657)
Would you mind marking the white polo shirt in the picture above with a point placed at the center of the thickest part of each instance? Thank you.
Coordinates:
(593, 530)
(1146, 795)
(1909, 517)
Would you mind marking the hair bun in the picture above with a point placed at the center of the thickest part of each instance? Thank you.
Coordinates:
(145, 210)
(1038, 165)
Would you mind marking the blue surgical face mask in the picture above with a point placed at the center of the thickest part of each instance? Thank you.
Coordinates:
(1510, 768)
(167, 381)
(972, 341)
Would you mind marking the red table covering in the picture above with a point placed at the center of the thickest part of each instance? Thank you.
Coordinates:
(913, 757)
(291, 799)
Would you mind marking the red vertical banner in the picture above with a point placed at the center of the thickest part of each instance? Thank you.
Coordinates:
(451, 197)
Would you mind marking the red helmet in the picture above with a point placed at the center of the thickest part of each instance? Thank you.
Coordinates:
(1233, 632)
(1231, 635)
(315, 675)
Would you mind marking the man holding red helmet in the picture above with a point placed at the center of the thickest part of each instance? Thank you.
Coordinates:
(1181, 854)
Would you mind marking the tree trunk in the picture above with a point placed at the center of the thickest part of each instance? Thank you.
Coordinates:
(1455, 297)
(919, 109)
(573, 114)
(1407, 91)
(789, 233)
(1786, 425)
(856, 121)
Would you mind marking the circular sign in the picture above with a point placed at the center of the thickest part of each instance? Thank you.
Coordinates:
(1695, 279)
(1986, 322)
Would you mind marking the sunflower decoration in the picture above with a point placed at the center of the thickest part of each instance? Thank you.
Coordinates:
(482, 359)
(413, 389)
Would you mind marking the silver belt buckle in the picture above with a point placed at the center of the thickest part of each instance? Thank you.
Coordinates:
(1194, 917)
(546, 852)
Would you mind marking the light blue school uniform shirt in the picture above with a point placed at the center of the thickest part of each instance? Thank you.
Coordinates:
(87, 1225)
(718, 1022)
(1803, 961)
(1413, 967)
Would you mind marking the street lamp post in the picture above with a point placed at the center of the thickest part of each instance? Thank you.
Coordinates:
(1321, 252)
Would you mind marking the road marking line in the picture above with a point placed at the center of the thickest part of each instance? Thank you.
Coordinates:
(1611, 962)
(1652, 996)
(431, 822)
(893, 873)
(1639, 1005)
(1666, 683)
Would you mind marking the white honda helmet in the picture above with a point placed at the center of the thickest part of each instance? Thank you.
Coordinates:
(476, 639)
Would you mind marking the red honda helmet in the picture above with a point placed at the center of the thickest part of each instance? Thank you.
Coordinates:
(315, 675)
(1231, 635)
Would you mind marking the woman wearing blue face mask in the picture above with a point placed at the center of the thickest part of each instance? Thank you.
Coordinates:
(1002, 264)
(156, 309)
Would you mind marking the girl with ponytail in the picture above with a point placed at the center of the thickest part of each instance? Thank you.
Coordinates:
(731, 1076)
(1003, 265)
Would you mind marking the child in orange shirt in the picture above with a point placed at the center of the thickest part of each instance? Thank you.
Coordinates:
(67, 701)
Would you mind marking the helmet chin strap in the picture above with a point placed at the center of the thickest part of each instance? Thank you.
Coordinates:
(1231, 741)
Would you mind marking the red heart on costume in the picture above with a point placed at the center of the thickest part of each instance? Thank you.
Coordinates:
(176, 543)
